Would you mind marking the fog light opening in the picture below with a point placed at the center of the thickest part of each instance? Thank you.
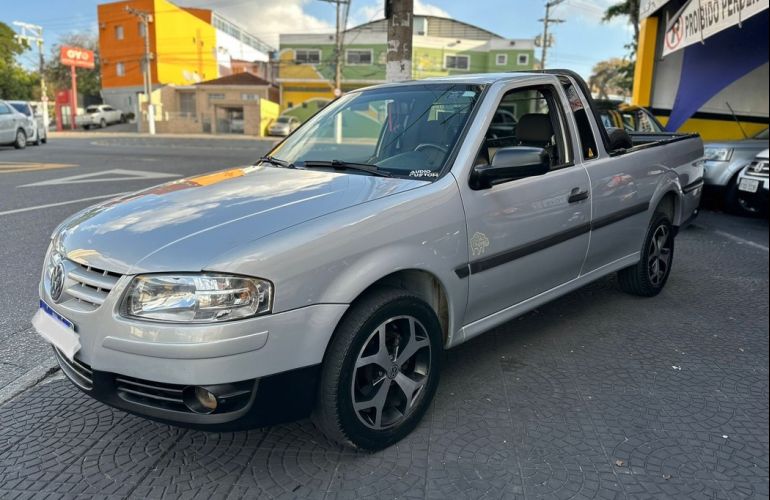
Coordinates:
(199, 400)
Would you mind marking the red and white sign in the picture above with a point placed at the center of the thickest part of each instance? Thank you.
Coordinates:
(75, 56)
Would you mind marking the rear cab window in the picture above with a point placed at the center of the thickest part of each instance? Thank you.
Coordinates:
(585, 134)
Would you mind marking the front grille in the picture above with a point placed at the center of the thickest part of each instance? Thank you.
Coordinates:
(88, 286)
(155, 394)
(77, 371)
(758, 169)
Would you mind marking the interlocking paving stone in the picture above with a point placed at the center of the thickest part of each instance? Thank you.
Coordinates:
(597, 395)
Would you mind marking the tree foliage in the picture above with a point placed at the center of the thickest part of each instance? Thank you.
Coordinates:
(15, 81)
(58, 75)
(630, 9)
(612, 77)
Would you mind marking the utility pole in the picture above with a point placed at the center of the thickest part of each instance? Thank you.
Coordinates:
(146, 18)
(546, 22)
(34, 33)
(338, 42)
(400, 15)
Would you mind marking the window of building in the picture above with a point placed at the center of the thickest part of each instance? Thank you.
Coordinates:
(501, 59)
(358, 57)
(187, 104)
(141, 30)
(457, 62)
(249, 97)
(120, 69)
(119, 32)
(307, 56)
(216, 97)
(523, 59)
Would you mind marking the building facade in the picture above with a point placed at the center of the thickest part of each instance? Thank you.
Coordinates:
(188, 46)
(440, 47)
(703, 66)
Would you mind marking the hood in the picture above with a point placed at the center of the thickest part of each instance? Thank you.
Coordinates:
(756, 144)
(182, 225)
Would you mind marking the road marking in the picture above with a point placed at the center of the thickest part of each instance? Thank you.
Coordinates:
(49, 205)
(741, 241)
(114, 175)
(12, 167)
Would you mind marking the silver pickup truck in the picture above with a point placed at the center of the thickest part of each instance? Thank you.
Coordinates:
(328, 278)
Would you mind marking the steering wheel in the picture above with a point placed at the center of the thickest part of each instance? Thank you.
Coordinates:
(429, 145)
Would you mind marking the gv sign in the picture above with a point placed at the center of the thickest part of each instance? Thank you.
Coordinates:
(77, 57)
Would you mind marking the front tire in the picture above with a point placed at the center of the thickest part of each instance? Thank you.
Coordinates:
(21, 140)
(648, 277)
(102, 123)
(380, 371)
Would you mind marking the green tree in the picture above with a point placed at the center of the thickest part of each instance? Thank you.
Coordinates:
(15, 81)
(58, 75)
(630, 9)
(612, 77)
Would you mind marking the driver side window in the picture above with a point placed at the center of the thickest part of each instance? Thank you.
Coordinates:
(526, 117)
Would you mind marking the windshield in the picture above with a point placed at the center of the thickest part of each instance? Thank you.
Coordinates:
(762, 135)
(21, 108)
(406, 131)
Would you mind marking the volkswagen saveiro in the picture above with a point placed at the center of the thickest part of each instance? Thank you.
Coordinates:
(328, 278)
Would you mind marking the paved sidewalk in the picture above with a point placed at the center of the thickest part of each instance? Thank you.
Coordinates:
(597, 395)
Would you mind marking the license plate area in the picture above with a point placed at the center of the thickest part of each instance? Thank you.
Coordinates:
(57, 330)
(748, 185)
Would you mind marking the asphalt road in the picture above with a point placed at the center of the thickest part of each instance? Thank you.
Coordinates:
(597, 394)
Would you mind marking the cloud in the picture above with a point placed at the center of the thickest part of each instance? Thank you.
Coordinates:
(369, 13)
(591, 11)
(267, 19)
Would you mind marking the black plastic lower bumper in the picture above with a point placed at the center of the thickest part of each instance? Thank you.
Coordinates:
(243, 405)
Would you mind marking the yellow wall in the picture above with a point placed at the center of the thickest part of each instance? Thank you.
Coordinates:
(717, 130)
(645, 62)
(185, 46)
(297, 97)
(268, 113)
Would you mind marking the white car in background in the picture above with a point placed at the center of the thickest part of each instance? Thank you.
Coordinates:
(284, 126)
(14, 127)
(99, 115)
(36, 132)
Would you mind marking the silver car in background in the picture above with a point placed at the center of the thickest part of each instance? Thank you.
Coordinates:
(724, 161)
(284, 126)
(328, 278)
(36, 131)
(14, 127)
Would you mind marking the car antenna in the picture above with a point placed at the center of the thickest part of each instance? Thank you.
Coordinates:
(745, 135)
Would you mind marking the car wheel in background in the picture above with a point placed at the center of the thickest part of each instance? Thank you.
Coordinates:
(649, 276)
(733, 203)
(102, 123)
(21, 140)
(87, 127)
(38, 140)
(380, 371)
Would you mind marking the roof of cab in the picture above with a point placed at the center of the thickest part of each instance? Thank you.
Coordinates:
(471, 79)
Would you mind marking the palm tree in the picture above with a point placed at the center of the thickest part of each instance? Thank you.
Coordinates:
(629, 8)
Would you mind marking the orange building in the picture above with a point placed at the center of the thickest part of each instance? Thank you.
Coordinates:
(189, 45)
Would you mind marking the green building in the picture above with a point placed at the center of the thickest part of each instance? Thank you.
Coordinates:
(440, 47)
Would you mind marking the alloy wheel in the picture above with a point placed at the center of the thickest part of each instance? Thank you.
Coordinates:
(391, 372)
(659, 257)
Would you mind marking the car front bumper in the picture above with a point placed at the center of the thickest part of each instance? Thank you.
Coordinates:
(760, 199)
(272, 358)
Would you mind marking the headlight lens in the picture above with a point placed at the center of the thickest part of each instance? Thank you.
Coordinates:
(718, 154)
(203, 298)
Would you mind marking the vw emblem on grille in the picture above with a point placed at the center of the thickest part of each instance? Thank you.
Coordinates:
(57, 281)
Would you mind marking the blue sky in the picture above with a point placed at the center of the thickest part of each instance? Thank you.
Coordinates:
(580, 42)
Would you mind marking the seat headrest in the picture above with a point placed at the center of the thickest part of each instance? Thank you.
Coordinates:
(619, 139)
(534, 128)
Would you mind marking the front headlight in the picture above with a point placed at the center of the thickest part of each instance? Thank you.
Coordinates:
(718, 154)
(196, 298)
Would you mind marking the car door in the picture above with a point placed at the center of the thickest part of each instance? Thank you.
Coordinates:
(529, 235)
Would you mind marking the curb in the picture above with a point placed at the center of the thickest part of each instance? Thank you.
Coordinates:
(27, 381)
(142, 135)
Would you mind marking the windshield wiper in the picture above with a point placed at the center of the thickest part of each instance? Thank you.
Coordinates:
(272, 160)
(344, 165)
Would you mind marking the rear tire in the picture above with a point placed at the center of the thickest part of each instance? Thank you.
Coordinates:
(21, 139)
(102, 123)
(388, 345)
(648, 277)
(733, 203)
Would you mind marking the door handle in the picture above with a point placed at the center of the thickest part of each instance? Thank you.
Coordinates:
(577, 195)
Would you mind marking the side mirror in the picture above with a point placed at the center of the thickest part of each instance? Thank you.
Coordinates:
(512, 163)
